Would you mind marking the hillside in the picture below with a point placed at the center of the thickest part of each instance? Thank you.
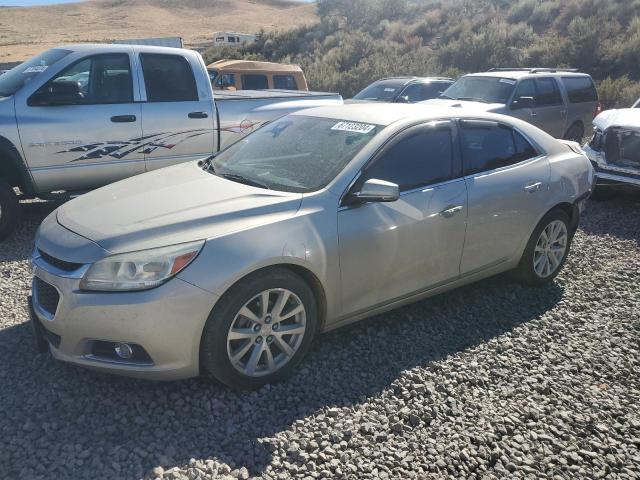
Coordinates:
(25, 31)
(357, 41)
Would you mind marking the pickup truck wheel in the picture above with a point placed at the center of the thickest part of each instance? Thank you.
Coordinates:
(575, 133)
(547, 249)
(9, 209)
(260, 330)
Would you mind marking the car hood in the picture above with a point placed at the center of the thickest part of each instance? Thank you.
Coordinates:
(169, 206)
(623, 117)
(480, 106)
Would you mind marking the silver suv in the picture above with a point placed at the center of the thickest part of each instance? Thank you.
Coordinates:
(562, 102)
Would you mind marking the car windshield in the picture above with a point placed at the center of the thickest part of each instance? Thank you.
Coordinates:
(380, 91)
(19, 76)
(296, 153)
(481, 89)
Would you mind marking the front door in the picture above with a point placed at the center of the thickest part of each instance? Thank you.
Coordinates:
(178, 121)
(506, 181)
(390, 250)
(87, 140)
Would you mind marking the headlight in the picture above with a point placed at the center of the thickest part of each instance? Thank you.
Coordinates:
(140, 270)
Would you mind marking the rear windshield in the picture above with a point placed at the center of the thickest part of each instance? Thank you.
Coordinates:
(481, 89)
(296, 153)
(580, 89)
(380, 92)
(19, 76)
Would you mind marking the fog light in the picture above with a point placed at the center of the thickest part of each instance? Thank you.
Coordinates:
(123, 350)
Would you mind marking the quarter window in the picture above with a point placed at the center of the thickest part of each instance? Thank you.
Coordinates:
(168, 78)
(487, 146)
(422, 158)
(580, 89)
(254, 82)
(547, 92)
(284, 82)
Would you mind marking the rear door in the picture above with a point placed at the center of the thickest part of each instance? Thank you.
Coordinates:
(390, 250)
(550, 110)
(506, 180)
(177, 111)
(84, 141)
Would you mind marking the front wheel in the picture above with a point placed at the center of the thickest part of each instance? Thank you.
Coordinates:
(547, 249)
(9, 209)
(575, 133)
(260, 330)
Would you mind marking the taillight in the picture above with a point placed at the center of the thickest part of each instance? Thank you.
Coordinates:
(599, 109)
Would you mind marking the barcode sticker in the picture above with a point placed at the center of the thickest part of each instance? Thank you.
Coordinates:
(508, 80)
(355, 127)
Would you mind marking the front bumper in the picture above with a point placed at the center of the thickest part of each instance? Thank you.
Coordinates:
(607, 174)
(167, 322)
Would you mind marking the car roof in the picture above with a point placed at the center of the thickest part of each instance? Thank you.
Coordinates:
(527, 73)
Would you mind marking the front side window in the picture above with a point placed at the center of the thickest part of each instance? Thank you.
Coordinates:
(481, 89)
(284, 82)
(488, 145)
(100, 79)
(296, 153)
(547, 92)
(580, 89)
(424, 157)
(525, 89)
(16, 78)
(168, 78)
(254, 82)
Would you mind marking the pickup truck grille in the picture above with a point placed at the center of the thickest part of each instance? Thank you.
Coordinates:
(59, 264)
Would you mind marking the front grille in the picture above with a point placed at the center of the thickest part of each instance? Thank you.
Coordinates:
(59, 264)
(46, 296)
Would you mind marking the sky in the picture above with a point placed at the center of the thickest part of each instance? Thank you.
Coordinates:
(26, 3)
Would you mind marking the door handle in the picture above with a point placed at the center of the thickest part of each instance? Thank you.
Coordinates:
(533, 187)
(198, 115)
(123, 119)
(534, 114)
(450, 211)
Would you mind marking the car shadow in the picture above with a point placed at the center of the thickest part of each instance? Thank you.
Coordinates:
(597, 217)
(127, 426)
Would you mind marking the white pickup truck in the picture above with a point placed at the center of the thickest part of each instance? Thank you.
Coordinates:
(80, 117)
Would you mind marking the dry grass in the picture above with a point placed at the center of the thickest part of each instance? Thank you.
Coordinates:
(26, 31)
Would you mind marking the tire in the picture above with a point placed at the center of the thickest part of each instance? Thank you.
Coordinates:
(9, 210)
(526, 271)
(575, 133)
(217, 350)
(602, 193)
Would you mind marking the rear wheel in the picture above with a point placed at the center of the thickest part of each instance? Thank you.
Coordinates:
(9, 209)
(575, 133)
(547, 249)
(260, 330)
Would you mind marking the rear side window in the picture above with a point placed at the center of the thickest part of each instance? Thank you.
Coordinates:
(487, 147)
(422, 158)
(168, 78)
(547, 92)
(284, 82)
(580, 89)
(254, 82)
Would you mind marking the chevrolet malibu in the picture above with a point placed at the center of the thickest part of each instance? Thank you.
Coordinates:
(232, 265)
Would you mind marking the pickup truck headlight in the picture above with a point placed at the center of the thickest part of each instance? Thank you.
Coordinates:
(139, 270)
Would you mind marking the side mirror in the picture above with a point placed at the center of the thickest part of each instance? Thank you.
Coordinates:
(63, 92)
(522, 102)
(374, 190)
(402, 99)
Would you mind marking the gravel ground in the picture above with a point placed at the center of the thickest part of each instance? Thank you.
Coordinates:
(490, 381)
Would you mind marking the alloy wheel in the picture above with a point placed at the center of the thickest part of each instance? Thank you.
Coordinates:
(550, 249)
(266, 332)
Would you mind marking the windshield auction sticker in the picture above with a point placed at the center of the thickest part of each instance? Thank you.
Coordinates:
(354, 127)
(35, 69)
(508, 80)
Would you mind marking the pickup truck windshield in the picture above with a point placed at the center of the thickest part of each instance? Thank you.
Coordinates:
(19, 76)
(481, 89)
(296, 153)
